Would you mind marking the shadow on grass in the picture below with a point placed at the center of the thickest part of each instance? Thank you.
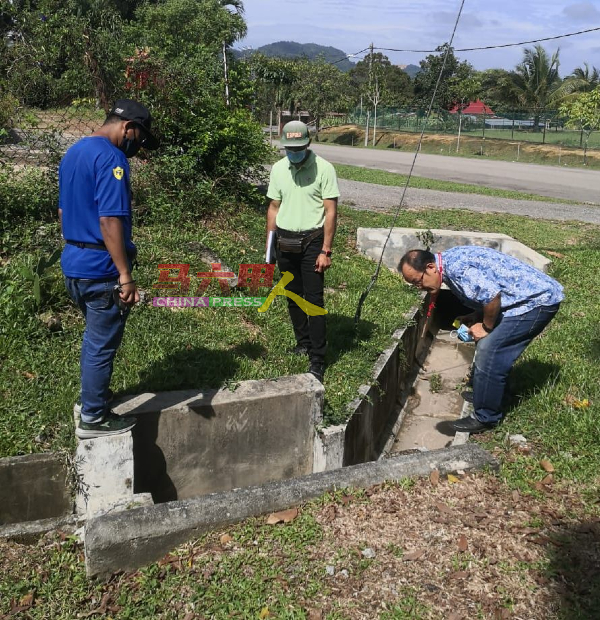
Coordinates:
(347, 139)
(526, 379)
(343, 336)
(574, 555)
(183, 369)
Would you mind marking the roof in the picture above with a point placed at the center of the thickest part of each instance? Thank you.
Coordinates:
(474, 107)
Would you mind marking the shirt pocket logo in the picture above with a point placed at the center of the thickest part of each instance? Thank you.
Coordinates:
(118, 172)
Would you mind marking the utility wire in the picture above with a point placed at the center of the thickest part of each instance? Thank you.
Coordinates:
(374, 277)
(335, 62)
(492, 47)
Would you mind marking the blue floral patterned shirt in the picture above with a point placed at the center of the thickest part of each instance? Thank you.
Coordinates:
(477, 274)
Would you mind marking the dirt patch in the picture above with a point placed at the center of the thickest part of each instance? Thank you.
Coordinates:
(467, 549)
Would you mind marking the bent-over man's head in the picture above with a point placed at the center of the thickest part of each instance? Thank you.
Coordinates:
(418, 267)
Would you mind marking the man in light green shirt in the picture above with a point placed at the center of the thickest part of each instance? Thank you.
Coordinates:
(303, 191)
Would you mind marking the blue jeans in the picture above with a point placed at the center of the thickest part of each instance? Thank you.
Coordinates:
(104, 326)
(495, 355)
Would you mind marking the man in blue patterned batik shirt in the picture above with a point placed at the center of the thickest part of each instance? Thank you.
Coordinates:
(513, 302)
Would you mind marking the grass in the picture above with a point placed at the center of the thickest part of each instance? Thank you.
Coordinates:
(382, 177)
(521, 150)
(167, 349)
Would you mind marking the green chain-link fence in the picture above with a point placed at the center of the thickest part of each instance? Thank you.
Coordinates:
(542, 127)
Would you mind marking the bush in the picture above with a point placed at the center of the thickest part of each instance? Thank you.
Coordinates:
(209, 151)
(28, 198)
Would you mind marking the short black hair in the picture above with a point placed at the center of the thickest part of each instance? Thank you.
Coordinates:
(417, 259)
(113, 118)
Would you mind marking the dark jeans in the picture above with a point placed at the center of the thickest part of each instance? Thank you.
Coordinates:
(495, 355)
(308, 284)
(104, 326)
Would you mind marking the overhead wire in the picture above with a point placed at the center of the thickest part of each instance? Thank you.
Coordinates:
(374, 277)
(492, 47)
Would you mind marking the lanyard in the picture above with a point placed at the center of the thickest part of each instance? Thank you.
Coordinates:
(434, 296)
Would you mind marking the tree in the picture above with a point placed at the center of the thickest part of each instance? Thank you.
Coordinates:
(498, 90)
(454, 73)
(273, 83)
(582, 80)
(394, 82)
(470, 89)
(535, 81)
(583, 112)
(322, 88)
(375, 79)
(60, 51)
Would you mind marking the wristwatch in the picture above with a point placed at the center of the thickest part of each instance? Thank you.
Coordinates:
(326, 252)
(486, 328)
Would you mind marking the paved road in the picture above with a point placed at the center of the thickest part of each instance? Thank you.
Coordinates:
(568, 183)
(382, 197)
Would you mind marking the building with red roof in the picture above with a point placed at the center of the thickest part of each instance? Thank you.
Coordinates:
(475, 108)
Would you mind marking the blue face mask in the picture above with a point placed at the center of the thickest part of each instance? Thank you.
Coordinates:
(296, 156)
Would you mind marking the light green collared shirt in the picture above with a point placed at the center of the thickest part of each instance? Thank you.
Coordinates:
(302, 191)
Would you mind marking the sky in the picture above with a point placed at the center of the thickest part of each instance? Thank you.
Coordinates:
(351, 25)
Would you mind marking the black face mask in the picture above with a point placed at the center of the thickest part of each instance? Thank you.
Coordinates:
(129, 147)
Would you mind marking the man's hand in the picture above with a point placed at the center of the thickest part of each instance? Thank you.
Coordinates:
(129, 294)
(477, 331)
(469, 319)
(323, 263)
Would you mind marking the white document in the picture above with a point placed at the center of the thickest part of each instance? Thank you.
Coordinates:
(270, 257)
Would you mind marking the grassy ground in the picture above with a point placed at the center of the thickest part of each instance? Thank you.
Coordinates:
(167, 349)
(460, 548)
(383, 177)
(478, 147)
(523, 544)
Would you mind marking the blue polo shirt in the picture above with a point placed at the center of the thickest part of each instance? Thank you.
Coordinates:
(93, 181)
(477, 274)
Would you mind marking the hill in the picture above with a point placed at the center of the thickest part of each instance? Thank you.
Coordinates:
(291, 49)
(412, 70)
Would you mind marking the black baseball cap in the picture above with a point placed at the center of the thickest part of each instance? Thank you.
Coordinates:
(133, 111)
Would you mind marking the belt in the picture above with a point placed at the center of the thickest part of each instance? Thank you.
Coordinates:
(88, 246)
(305, 235)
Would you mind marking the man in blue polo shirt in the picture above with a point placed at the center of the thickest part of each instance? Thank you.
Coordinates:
(513, 302)
(95, 214)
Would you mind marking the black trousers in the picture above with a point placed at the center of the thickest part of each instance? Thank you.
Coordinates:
(308, 284)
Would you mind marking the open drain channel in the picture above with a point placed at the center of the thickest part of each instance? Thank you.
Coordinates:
(435, 396)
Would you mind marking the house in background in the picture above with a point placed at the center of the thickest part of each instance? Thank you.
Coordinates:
(475, 108)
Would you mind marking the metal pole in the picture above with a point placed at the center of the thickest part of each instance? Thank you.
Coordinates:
(271, 128)
(226, 74)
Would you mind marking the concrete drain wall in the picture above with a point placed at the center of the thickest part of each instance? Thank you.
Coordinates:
(189, 444)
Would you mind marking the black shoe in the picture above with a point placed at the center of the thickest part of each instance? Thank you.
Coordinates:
(317, 369)
(470, 425)
(300, 349)
(467, 396)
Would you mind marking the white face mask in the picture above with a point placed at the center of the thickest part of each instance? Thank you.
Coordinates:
(295, 156)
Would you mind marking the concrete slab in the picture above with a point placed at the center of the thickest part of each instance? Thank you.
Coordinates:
(128, 540)
(189, 443)
(34, 487)
(30, 531)
(370, 242)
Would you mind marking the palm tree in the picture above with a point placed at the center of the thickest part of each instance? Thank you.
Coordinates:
(535, 80)
(582, 80)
